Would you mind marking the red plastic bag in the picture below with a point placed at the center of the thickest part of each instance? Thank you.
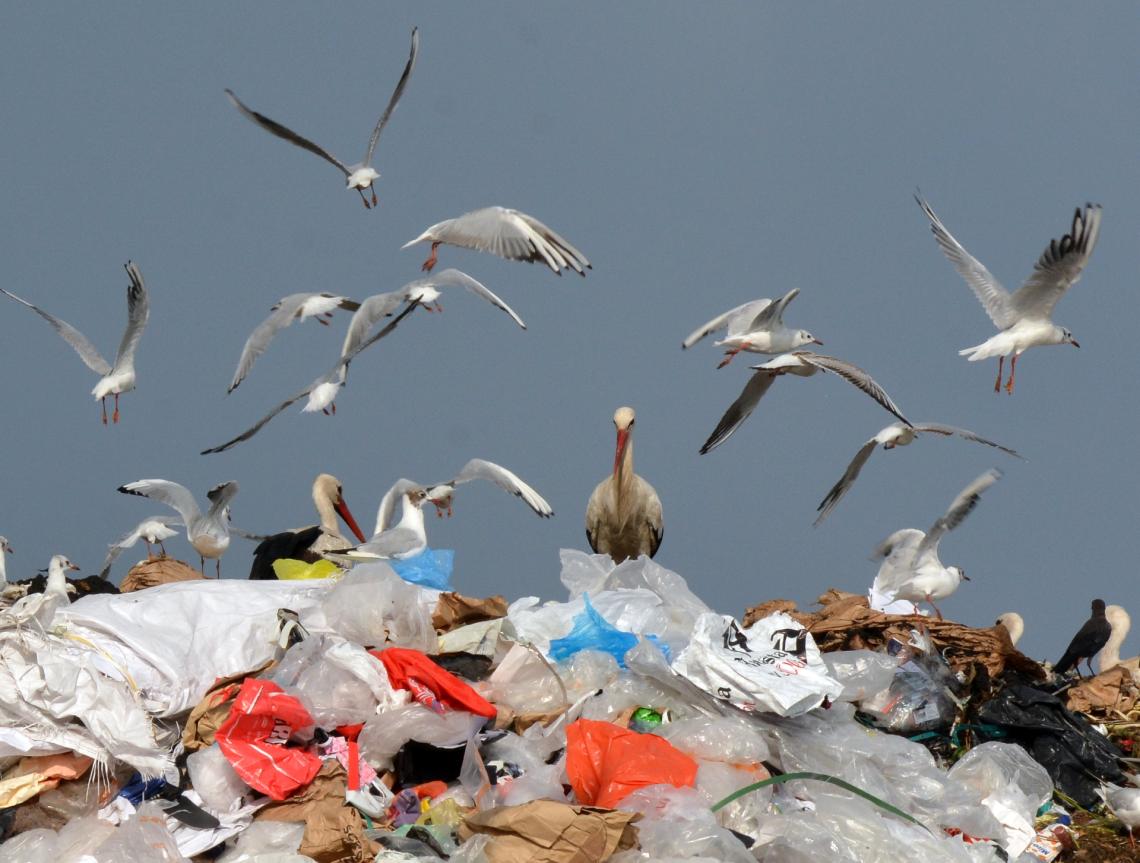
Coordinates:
(412, 670)
(606, 762)
(254, 738)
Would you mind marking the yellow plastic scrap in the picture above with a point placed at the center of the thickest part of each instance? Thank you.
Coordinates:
(288, 569)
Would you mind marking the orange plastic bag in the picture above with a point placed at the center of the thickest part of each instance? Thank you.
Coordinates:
(606, 762)
(412, 670)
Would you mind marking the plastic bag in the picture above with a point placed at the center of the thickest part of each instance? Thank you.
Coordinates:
(730, 739)
(605, 762)
(526, 683)
(677, 825)
(591, 631)
(772, 665)
(255, 735)
(862, 673)
(431, 568)
(215, 780)
(373, 606)
(412, 670)
(141, 839)
(263, 838)
(31, 846)
(384, 735)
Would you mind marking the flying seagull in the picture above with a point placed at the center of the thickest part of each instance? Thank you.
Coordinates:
(506, 233)
(1025, 316)
(894, 435)
(802, 364)
(362, 175)
(757, 326)
(120, 377)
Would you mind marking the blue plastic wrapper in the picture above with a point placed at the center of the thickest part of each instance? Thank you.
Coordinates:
(430, 568)
(593, 632)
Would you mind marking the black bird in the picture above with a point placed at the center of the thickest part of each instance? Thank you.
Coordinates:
(1088, 641)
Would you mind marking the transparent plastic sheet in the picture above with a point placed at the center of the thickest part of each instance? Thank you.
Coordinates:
(587, 671)
(31, 846)
(731, 739)
(593, 632)
(373, 606)
(530, 751)
(525, 682)
(215, 779)
(677, 825)
(338, 681)
(264, 838)
(641, 612)
(142, 838)
(384, 735)
(473, 850)
(863, 673)
(918, 698)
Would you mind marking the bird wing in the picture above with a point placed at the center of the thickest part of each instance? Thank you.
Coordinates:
(897, 553)
(281, 316)
(508, 481)
(553, 247)
(386, 514)
(854, 376)
(91, 357)
(220, 495)
(1059, 266)
(396, 94)
(175, 496)
(831, 500)
(391, 542)
(371, 310)
(739, 410)
(275, 128)
(138, 310)
(453, 278)
(128, 539)
(989, 291)
(772, 315)
(744, 311)
(938, 428)
(898, 543)
(960, 507)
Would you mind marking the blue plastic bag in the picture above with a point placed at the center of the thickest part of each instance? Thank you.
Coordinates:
(593, 632)
(430, 568)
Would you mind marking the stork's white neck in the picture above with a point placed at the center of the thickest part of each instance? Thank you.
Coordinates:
(1120, 623)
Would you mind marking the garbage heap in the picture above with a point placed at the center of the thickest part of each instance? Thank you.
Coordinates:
(366, 717)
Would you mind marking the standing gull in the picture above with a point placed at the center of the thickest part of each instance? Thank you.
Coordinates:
(361, 175)
(894, 435)
(757, 326)
(911, 569)
(1124, 803)
(120, 377)
(5, 549)
(623, 515)
(802, 364)
(506, 233)
(295, 307)
(153, 531)
(1025, 316)
(1090, 638)
(209, 533)
(406, 538)
(41, 607)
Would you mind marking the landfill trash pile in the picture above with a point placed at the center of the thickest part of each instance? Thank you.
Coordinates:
(365, 717)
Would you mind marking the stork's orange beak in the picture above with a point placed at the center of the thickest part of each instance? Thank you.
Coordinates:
(342, 510)
(622, 442)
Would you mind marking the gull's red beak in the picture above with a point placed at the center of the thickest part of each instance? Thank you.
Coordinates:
(342, 510)
(622, 442)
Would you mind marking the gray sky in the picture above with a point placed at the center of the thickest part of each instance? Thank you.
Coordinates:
(700, 155)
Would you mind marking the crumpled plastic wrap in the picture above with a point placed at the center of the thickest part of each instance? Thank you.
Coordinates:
(374, 607)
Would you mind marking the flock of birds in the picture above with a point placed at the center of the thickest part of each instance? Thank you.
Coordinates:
(624, 514)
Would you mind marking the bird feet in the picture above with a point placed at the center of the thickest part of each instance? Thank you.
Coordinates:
(728, 355)
(432, 258)
(935, 607)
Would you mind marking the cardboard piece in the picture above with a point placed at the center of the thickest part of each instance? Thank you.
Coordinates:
(1113, 690)
(453, 610)
(159, 570)
(40, 773)
(544, 831)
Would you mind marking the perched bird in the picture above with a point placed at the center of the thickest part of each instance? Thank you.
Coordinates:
(209, 533)
(1090, 638)
(623, 515)
(5, 549)
(362, 175)
(802, 364)
(757, 327)
(911, 568)
(309, 543)
(41, 607)
(506, 233)
(153, 530)
(1120, 623)
(120, 377)
(894, 435)
(1124, 803)
(322, 392)
(295, 307)
(1012, 623)
(1025, 316)
(406, 538)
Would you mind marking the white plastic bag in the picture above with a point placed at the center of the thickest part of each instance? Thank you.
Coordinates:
(373, 606)
(757, 668)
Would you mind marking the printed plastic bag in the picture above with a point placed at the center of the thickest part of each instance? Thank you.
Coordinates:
(255, 738)
(772, 665)
(605, 762)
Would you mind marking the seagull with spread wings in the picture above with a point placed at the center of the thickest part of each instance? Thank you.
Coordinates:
(1025, 316)
(120, 377)
(757, 326)
(802, 364)
(894, 435)
(208, 532)
(362, 175)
